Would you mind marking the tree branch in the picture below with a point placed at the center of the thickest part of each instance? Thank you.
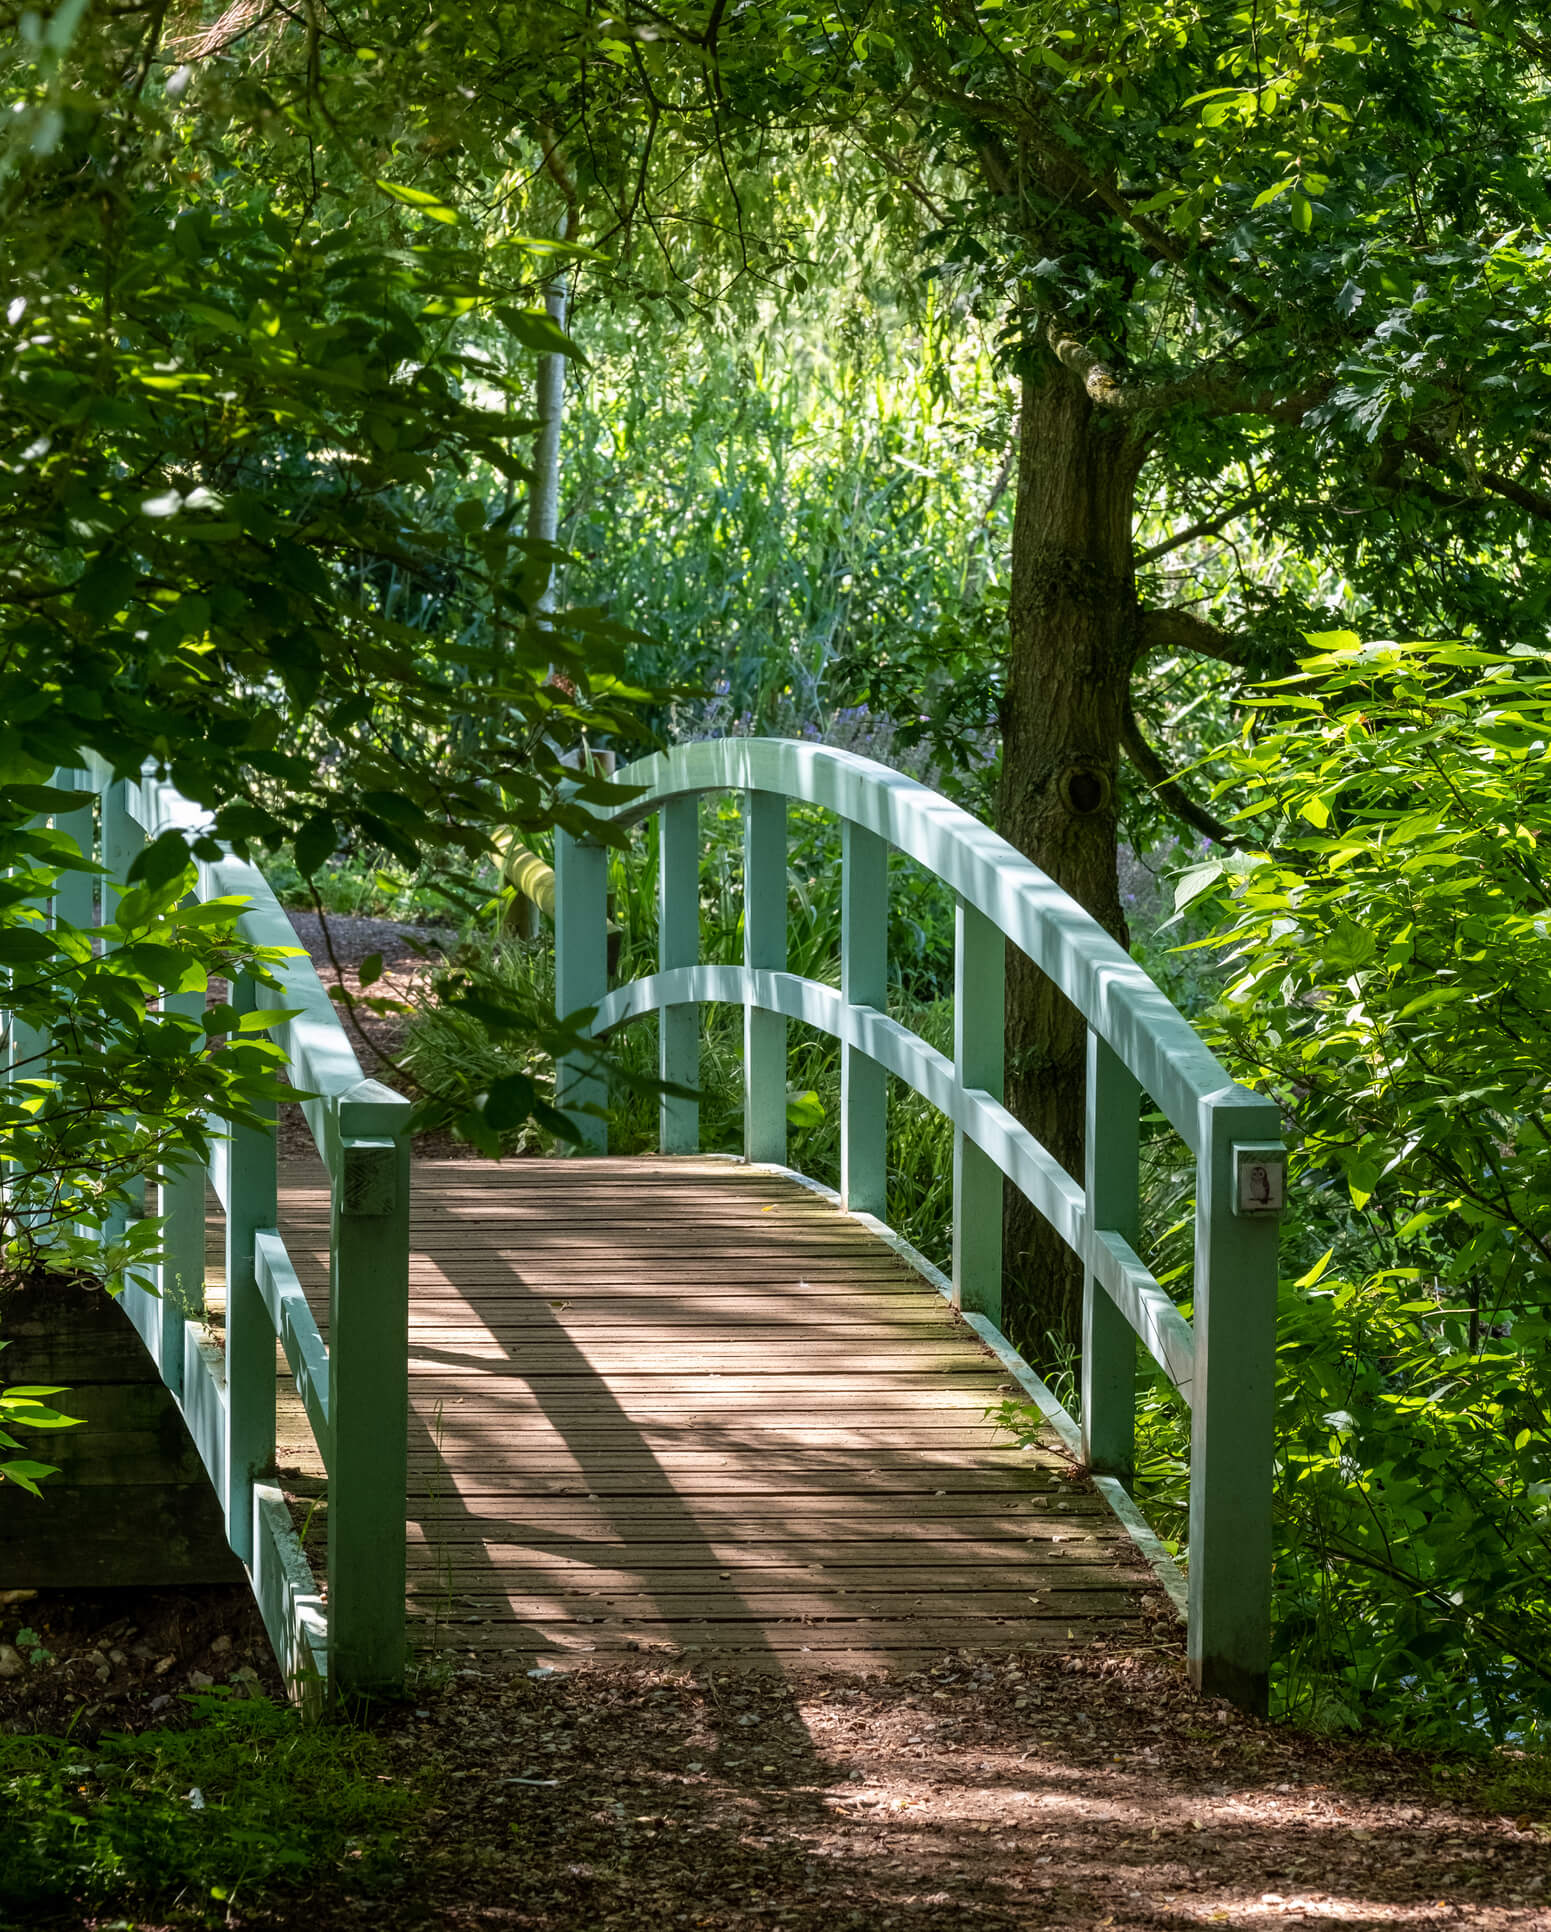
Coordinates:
(1169, 792)
(1493, 482)
(1219, 395)
(1207, 527)
(1172, 629)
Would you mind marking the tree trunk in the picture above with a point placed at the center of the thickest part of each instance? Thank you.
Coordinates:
(1073, 633)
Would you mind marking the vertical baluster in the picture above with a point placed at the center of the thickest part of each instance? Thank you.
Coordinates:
(251, 1209)
(121, 843)
(678, 944)
(368, 1390)
(76, 897)
(30, 1044)
(1111, 1155)
(1232, 1405)
(979, 1048)
(182, 1273)
(864, 975)
(581, 976)
(26, 1056)
(764, 950)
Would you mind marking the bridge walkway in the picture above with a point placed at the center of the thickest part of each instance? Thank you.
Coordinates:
(683, 1407)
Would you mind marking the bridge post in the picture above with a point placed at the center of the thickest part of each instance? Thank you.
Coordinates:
(1111, 1152)
(252, 1197)
(764, 949)
(368, 1390)
(581, 976)
(979, 1052)
(75, 898)
(1232, 1400)
(864, 976)
(678, 944)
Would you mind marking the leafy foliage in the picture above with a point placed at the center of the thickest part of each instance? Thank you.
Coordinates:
(22, 1406)
(806, 512)
(243, 415)
(108, 1081)
(247, 1797)
(1385, 952)
(252, 456)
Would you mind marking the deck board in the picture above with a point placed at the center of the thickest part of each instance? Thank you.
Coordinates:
(688, 1408)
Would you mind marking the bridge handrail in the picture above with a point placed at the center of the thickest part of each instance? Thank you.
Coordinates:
(1222, 1361)
(322, 1059)
(355, 1388)
(1114, 994)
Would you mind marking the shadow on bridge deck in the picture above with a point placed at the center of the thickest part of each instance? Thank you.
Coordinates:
(685, 1408)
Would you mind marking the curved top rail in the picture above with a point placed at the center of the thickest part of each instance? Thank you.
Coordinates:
(315, 1043)
(1116, 997)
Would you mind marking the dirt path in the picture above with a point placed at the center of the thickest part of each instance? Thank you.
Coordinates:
(1082, 1793)
(1073, 1794)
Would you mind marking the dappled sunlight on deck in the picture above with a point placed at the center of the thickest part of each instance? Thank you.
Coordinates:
(682, 1406)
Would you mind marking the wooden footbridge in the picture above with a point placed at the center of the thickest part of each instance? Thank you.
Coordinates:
(599, 1408)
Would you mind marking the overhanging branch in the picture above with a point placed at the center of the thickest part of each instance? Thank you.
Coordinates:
(1181, 630)
(1217, 395)
(1207, 527)
(1168, 791)
(1480, 482)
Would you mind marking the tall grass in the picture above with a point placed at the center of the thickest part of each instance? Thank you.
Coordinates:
(787, 504)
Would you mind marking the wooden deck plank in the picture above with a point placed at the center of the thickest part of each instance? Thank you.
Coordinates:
(884, 1639)
(689, 1409)
(1032, 1515)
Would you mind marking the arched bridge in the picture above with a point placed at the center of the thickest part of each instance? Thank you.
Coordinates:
(594, 1406)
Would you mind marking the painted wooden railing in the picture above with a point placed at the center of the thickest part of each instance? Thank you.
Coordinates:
(355, 1390)
(1222, 1361)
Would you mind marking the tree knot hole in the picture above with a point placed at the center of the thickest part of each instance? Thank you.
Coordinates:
(1085, 789)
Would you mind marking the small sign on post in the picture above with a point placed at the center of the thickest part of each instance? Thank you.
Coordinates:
(1260, 1179)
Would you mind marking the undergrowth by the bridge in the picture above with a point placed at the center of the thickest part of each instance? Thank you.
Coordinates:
(240, 1797)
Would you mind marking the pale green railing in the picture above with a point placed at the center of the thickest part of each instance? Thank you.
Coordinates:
(1222, 1362)
(355, 1390)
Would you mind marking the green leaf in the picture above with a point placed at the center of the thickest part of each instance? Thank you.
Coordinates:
(509, 1102)
(1308, 1280)
(24, 946)
(533, 329)
(26, 1474)
(422, 202)
(315, 843)
(1197, 879)
(166, 858)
